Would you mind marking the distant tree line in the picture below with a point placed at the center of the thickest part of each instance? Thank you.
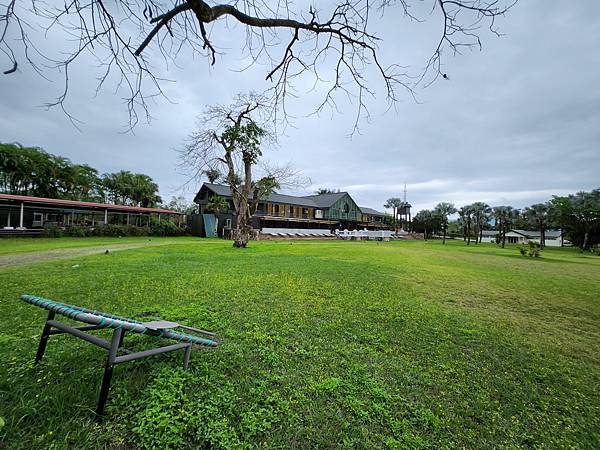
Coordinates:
(577, 215)
(32, 171)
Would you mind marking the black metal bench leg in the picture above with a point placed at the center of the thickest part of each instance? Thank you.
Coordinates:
(44, 339)
(108, 369)
(186, 356)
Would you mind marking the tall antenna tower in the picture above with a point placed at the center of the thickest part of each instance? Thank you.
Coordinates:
(404, 192)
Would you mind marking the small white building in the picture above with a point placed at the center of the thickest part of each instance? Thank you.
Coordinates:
(553, 237)
(488, 236)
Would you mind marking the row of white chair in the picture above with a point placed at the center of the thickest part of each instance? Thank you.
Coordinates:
(298, 234)
(365, 234)
(296, 231)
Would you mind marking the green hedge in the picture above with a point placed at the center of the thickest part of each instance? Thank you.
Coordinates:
(52, 232)
(165, 228)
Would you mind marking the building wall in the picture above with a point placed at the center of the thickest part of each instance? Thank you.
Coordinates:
(337, 210)
(522, 240)
(285, 210)
(549, 242)
(371, 218)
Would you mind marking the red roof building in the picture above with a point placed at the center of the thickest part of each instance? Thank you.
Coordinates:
(20, 212)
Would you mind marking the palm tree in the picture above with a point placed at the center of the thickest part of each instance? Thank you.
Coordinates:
(585, 209)
(466, 215)
(505, 216)
(445, 209)
(427, 221)
(538, 215)
(217, 204)
(462, 220)
(212, 174)
(393, 203)
(481, 214)
(322, 191)
(499, 212)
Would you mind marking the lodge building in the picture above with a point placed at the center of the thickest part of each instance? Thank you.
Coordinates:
(325, 212)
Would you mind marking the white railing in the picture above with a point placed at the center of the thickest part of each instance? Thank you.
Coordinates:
(364, 234)
(301, 232)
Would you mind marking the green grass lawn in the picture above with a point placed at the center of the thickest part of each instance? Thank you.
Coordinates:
(323, 345)
(13, 246)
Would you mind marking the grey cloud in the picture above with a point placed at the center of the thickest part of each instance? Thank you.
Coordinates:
(516, 123)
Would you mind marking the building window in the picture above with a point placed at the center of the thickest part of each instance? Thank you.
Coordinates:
(38, 219)
(346, 208)
(227, 223)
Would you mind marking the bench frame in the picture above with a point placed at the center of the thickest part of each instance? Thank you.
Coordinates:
(53, 327)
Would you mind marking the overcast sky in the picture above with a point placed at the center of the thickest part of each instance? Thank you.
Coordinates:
(515, 124)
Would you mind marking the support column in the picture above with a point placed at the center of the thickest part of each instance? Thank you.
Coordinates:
(21, 216)
(159, 218)
(127, 218)
(106, 217)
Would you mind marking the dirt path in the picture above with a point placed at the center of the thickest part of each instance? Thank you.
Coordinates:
(52, 255)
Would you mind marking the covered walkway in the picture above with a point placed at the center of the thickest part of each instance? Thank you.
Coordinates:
(21, 214)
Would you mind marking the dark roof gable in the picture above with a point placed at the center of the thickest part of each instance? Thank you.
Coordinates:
(225, 191)
(326, 200)
(321, 201)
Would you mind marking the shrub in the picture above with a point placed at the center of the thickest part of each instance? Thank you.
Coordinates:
(108, 230)
(166, 228)
(53, 232)
(76, 231)
(532, 249)
(133, 230)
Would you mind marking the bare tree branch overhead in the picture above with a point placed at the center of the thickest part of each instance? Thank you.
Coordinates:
(290, 40)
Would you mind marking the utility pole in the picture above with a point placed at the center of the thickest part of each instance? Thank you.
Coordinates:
(407, 212)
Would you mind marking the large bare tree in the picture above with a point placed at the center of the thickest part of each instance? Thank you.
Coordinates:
(230, 139)
(291, 39)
